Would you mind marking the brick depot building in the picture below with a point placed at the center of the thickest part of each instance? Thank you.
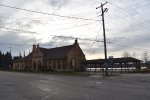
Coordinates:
(66, 58)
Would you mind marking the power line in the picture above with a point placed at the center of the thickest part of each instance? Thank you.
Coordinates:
(124, 10)
(15, 44)
(128, 46)
(24, 31)
(74, 26)
(18, 30)
(71, 37)
(40, 18)
(125, 15)
(95, 40)
(83, 39)
(33, 11)
(86, 39)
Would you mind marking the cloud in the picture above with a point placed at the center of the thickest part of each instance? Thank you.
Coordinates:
(127, 23)
(8, 39)
(58, 3)
(57, 42)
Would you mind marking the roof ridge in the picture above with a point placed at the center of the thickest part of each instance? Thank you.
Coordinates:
(58, 52)
(55, 47)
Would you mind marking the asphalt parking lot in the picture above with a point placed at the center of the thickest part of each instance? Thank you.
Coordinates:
(28, 86)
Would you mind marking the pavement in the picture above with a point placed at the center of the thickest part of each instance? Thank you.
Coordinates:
(28, 86)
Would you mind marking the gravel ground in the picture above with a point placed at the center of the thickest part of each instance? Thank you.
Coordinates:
(28, 86)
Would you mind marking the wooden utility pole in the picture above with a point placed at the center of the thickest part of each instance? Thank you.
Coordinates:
(103, 10)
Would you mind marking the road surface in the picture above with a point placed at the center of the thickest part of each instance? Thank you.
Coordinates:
(28, 86)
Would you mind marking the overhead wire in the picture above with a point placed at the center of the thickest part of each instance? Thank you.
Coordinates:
(95, 40)
(25, 31)
(43, 18)
(33, 11)
(17, 30)
(134, 32)
(77, 26)
(124, 11)
(84, 39)
(135, 48)
(66, 17)
(15, 44)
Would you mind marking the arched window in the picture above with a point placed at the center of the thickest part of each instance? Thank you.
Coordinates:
(22, 66)
(34, 65)
(45, 65)
(59, 64)
(72, 63)
(54, 64)
(39, 65)
(49, 65)
(63, 64)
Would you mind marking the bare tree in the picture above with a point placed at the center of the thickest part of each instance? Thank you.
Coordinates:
(146, 58)
(126, 54)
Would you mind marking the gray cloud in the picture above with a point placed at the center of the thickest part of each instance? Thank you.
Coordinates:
(128, 26)
(58, 41)
(7, 40)
(27, 24)
(58, 3)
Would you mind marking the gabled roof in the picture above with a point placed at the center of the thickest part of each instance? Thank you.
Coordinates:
(51, 53)
(114, 60)
(56, 53)
(28, 57)
(22, 59)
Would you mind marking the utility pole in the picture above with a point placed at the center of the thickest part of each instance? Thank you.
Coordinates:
(103, 10)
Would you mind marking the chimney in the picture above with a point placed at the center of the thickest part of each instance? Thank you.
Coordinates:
(24, 54)
(38, 45)
(34, 47)
(20, 55)
(76, 41)
(29, 51)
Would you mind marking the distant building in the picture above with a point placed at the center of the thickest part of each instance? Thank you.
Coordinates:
(66, 58)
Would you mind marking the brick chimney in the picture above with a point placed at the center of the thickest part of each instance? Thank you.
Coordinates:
(76, 41)
(34, 47)
(38, 45)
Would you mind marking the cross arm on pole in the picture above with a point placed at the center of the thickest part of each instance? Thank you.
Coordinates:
(102, 5)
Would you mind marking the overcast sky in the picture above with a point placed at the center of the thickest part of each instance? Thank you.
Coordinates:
(127, 26)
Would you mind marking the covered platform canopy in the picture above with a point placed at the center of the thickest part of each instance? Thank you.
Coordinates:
(113, 60)
(124, 62)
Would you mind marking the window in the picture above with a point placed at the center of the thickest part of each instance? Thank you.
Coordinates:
(34, 65)
(54, 64)
(39, 65)
(72, 63)
(59, 64)
(63, 64)
(45, 64)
